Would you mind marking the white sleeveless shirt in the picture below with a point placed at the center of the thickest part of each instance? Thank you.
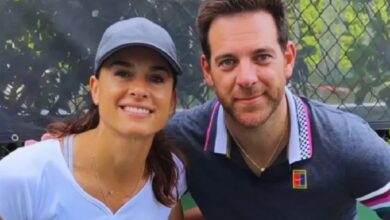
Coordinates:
(36, 183)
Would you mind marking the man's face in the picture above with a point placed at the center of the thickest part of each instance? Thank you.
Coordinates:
(247, 66)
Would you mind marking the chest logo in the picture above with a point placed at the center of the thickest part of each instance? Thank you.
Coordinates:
(299, 179)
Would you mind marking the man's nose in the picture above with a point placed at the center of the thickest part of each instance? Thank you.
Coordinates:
(247, 74)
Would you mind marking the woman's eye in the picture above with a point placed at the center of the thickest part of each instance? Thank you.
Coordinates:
(123, 74)
(156, 78)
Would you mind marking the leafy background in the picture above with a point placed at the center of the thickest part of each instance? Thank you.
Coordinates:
(48, 48)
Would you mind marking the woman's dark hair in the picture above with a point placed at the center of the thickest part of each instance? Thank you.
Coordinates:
(209, 10)
(159, 162)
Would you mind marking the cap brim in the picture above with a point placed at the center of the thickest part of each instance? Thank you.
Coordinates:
(177, 70)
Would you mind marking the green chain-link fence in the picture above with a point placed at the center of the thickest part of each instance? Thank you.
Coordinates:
(344, 55)
(48, 48)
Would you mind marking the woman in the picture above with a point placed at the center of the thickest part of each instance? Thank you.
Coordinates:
(113, 162)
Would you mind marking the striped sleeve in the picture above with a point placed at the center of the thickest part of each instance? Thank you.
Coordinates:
(368, 169)
(379, 200)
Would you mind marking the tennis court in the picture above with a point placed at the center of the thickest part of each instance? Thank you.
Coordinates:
(363, 212)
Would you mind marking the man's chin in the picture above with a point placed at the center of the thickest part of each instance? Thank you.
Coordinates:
(250, 121)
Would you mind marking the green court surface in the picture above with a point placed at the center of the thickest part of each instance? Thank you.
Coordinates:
(366, 214)
(363, 212)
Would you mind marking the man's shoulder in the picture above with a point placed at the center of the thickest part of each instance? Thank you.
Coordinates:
(197, 115)
(196, 111)
(331, 115)
(188, 127)
(346, 131)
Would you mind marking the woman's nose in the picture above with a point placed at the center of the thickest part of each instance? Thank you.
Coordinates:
(138, 89)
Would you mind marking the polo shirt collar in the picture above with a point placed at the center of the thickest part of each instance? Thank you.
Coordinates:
(300, 144)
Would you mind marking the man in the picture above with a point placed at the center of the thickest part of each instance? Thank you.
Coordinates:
(261, 152)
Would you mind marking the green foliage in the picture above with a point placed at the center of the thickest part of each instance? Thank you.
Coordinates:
(344, 55)
(348, 42)
(48, 48)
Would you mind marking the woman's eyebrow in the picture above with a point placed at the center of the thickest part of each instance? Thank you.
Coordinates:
(121, 63)
(160, 67)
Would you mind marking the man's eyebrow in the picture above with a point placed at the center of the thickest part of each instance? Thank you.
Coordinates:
(257, 51)
(219, 57)
(265, 49)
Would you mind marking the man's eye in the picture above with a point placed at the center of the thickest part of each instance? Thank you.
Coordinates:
(227, 63)
(263, 57)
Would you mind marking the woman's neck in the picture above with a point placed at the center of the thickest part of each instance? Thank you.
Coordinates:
(116, 158)
(109, 167)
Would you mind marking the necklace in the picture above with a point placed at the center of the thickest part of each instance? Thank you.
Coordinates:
(103, 188)
(270, 158)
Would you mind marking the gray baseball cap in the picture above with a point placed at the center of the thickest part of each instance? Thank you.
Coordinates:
(137, 32)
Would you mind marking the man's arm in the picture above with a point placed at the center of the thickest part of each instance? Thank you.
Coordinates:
(368, 170)
(193, 214)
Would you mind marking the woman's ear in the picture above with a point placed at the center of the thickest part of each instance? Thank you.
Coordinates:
(172, 108)
(94, 88)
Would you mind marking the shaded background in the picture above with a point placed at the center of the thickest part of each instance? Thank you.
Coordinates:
(48, 46)
(47, 49)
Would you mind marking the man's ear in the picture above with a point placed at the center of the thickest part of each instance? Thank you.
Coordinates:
(206, 70)
(289, 57)
(94, 88)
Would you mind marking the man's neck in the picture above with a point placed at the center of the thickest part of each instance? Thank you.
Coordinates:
(262, 139)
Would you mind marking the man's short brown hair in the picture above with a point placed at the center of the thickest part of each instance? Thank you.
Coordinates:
(209, 10)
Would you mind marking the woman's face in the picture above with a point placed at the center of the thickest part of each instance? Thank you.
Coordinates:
(134, 92)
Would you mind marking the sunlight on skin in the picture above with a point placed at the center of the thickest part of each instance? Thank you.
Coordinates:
(176, 213)
(193, 214)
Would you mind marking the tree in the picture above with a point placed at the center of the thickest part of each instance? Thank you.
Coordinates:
(48, 49)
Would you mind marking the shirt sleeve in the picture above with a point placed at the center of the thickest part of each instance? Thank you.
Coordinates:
(368, 170)
(15, 199)
(181, 183)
